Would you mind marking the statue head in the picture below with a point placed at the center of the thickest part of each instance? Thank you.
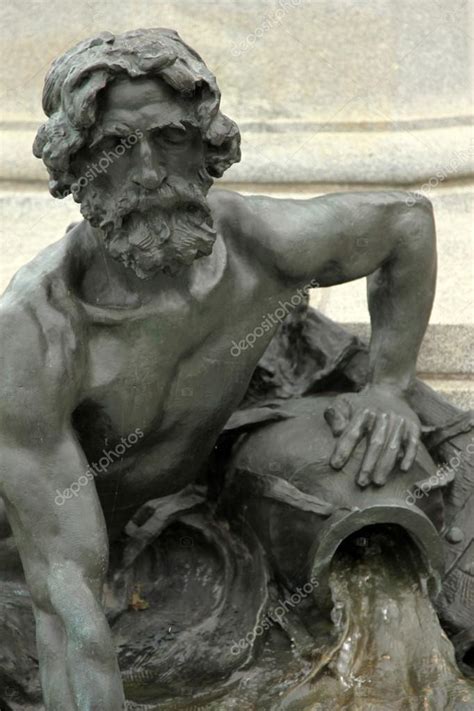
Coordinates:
(136, 135)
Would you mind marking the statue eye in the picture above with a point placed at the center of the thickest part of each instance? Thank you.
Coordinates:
(110, 142)
(173, 136)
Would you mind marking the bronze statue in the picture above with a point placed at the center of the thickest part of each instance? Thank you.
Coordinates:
(130, 344)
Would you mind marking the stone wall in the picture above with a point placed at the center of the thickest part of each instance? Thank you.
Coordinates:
(329, 95)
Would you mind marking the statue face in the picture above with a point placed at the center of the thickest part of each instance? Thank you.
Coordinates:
(141, 178)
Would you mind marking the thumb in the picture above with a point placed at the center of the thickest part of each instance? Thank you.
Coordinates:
(337, 416)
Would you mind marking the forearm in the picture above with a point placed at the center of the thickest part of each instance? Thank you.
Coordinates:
(400, 296)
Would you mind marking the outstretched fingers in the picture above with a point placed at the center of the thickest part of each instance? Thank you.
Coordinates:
(375, 447)
(352, 435)
(391, 452)
(411, 441)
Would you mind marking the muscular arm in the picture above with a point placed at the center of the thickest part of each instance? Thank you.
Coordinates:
(62, 541)
(341, 237)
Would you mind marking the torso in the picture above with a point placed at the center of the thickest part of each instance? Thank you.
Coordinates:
(167, 370)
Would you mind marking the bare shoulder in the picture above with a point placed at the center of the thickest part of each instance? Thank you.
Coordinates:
(41, 344)
(244, 221)
(229, 208)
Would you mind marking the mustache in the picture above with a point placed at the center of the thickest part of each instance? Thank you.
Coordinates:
(108, 210)
(172, 195)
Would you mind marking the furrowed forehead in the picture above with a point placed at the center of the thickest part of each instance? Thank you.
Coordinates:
(126, 99)
(135, 93)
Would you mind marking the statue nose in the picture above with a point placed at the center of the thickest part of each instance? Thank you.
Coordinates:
(149, 178)
(147, 172)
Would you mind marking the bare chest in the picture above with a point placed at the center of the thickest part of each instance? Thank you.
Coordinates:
(174, 374)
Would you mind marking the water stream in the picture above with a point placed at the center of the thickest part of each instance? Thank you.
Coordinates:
(383, 650)
(391, 652)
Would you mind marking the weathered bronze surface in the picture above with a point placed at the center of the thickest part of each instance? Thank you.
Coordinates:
(213, 497)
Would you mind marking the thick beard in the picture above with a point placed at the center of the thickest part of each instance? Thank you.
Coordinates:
(164, 230)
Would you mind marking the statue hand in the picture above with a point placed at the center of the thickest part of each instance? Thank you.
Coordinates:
(382, 417)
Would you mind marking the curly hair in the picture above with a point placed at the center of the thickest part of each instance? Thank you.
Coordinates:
(74, 80)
